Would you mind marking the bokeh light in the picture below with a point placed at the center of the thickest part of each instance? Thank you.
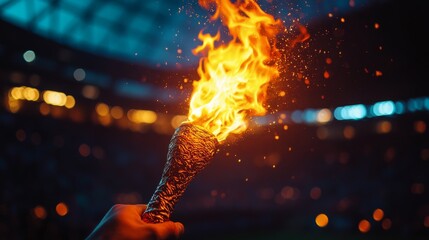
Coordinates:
(61, 209)
(84, 150)
(364, 226)
(383, 127)
(349, 132)
(315, 193)
(386, 224)
(378, 214)
(40, 212)
(29, 56)
(117, 112)
(102, 109)
(142, 116)
(54, 98)
(420, 126)
(343, 149)
(79, 74)
(322, 220)
(324, 115)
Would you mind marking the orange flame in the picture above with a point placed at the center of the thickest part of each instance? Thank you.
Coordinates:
(234, 76)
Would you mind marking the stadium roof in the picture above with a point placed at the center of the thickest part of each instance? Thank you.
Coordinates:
(154, 33)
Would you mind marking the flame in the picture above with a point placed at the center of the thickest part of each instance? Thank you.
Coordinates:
(234, 76)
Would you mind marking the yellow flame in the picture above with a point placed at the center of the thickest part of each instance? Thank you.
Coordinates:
(234, 76)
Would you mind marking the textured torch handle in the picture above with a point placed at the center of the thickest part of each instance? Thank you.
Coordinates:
(190, 150)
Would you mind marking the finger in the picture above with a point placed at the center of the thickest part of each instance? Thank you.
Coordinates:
(180, 229)
(167, 230)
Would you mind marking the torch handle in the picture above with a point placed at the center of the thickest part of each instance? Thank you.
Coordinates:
(190, 150)
(170, 188)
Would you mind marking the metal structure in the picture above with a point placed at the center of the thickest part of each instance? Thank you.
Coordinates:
(153, 33)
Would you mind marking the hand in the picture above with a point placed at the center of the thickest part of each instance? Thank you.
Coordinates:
(124, 222)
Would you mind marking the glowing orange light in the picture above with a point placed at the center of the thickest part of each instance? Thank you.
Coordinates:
(40, 212)
(378, 73)
(102, 109)
(70, 102)
(24, 93)
(234, 76)
(420, 126)
(322, 220)
(364, 226)
(84, 150)
(386, 224)
(62, 209)
(383, 127)
(13, 105)
(307, 81)
(117, 112)
(349, 132)
(378, 214)
(326, 74)
(44, 109)
(16, 93)
(315, 193)
(177, 120)
(376, 25)
(30, 94)
(142, 116)
(54, 98)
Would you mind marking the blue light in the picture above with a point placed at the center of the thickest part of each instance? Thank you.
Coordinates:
(132, 88)
(415, 104)
(337, 113)
(345, 114)
(29, 56)
(264, 120)
(426, 103)
(399, 107)
(297, 116)
(357, 111)
(383, 108)
(351, 112)
(17, 12)
(310, 116)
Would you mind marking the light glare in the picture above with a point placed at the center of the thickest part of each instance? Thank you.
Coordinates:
(54, 98)
(29, 56)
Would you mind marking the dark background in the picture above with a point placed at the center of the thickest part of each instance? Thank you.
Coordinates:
(257, 187)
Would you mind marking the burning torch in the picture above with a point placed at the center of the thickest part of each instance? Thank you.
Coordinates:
(232, 88)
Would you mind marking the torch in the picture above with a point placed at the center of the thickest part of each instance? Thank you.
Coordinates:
(190, 150)
(232, 88)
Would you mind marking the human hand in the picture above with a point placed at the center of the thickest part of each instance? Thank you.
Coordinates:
(125, 222)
